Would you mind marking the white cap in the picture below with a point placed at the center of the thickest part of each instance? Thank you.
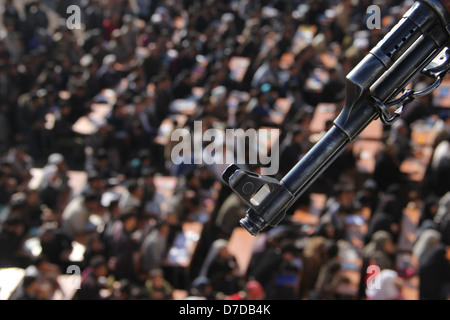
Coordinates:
(55, 158)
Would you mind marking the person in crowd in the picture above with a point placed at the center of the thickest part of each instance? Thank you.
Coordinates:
(293, 151)
(439, 168)
(367, 197)
(75, 219)
(330, 275)
(123, 246)
(387, 166)
(158, 287)
(332, 221)
(379, 252)
(28, 289)
(12, 237)
(224, 272)
(47, 274)
(434, 274)
(230, 213)
(54, 189)
(426, 242)
(132, 196)
(314, 256)
(428, 211)
(56, 245)
(92, 280)
(20, 163)
(252, 291)
(401, 136)
(94, 247)
(388, 214)
(285, 284)
(442, 218)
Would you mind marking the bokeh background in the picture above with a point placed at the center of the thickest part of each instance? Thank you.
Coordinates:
(93, 207)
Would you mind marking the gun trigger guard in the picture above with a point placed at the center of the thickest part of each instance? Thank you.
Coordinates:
(383, 109)
(436, 69)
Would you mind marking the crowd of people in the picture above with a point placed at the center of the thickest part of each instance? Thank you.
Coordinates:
(152, 53)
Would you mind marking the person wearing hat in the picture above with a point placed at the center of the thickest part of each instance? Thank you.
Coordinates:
(155, 246)
(63, 137)
(54, 188)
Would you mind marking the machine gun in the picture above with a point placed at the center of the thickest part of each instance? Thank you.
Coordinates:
(417, 44)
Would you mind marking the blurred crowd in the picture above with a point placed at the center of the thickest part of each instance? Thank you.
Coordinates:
(152, 53)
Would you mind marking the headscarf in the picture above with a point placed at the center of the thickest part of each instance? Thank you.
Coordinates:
(375, 249)
(427, 241)
(377, 242)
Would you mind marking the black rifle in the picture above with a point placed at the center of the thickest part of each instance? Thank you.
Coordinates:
(418, 44)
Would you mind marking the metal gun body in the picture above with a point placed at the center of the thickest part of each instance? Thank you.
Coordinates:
(417, 39)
